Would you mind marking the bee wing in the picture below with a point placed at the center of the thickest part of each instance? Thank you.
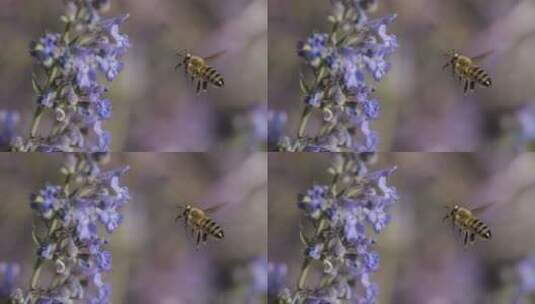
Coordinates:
(214, 56)
(214, 208)
(482, 56)
(481, 209)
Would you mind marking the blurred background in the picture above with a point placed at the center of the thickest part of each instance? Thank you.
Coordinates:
(422, 107)
(155, 108)
(422, 259)
(154, 261)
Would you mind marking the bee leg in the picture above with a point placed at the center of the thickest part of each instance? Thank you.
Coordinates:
(472, 238)
(446, 65)
(199, 233)
(186, 227)
(178, 65)
(204, 237)
(193, 233)
(472, 85)
(465, 238)
(199, 86)
(205, 85)
(466, 85)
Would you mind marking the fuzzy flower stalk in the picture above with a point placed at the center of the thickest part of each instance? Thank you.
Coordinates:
(73, 221)
(341, 220)
(343, 64)
(67, 80)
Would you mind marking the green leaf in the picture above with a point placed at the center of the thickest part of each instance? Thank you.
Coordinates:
(35, 85)
(304, 87)
(35, 238)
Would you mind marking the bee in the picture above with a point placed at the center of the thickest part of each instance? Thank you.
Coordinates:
(198, 69)
(200, 223)
(467, 222)
(466, 69)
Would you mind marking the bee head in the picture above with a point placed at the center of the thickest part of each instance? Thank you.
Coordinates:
(183, 209)
(452, 54)
(452, 210)
(183, 55)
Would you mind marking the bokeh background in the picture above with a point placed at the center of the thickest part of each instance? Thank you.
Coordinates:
(153, 259)
(422, 107)
(154, 107)
(422, 259)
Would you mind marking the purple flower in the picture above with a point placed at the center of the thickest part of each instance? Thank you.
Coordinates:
(110, 218)
(47, 49)
(313, 48)
(9, 272)
(314, 200)
(276, 122)
(8, 123)
(353, 229)
(45, 200)
(378, 218)
(341, 61)
(77, 214)
(103, 108)
(110, 66)
(103, 260)
(371, 108)
(526, 274)
(371, 261)
(342, 215)
(276, 278)
(46, 251)
(314, 251)
(314, 99)
(73, 92)
(47, 99)
(352, 75)
(47, 300)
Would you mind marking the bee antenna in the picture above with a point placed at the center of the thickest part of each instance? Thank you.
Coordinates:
(448, 53)
(181, 53)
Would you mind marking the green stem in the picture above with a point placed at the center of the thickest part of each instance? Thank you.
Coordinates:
(36, 273)
(319, 76)
(51, 230)
(35, 120)
(304, 273)
(304, 120)
(40, 109)
(307, 262)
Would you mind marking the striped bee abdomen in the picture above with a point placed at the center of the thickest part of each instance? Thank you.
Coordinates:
(480, 228)
(212, 228)
(210, 74)
(479, 75)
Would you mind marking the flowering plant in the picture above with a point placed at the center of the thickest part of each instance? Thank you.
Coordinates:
(68, 236)
(69, 88)
(340, 61)
(342, 217)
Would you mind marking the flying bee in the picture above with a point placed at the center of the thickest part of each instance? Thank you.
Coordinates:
(200, 223)
(198, 69)
(467, 222)
(467, 70)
